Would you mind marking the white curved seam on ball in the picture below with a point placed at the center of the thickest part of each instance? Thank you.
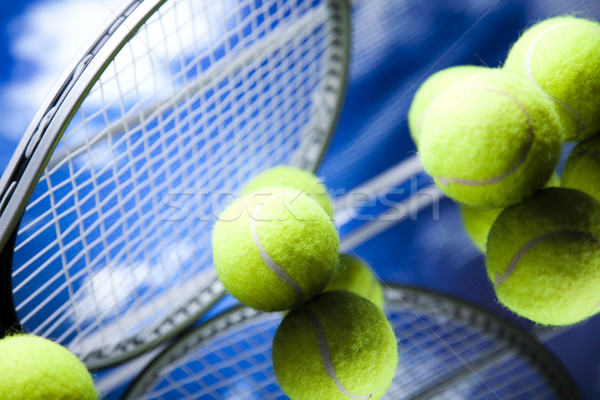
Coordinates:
(510, 269)
(326, 357)
(269, 262)
(445, 181)
(528, 57)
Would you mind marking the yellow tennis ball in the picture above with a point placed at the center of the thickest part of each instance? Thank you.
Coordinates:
(274, 252)
(478, 221)
(491, 139)
(562, 56)
(34, 368)
(295, 178)
(433, 86)
(355, 276)
(338, 346)
(582, 169)
(543, 257)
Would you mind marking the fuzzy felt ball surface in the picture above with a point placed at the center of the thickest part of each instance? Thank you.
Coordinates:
(275, 251)
(34, 368)
(543, 257)
(339, 346)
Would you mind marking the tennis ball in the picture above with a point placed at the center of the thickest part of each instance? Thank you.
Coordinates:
(355, 276)
(478, 221)
(543, 257)
(295, 178)
(433, 86)
(34, 368)
(562, 56)
(274, 252)
(491, 139)
(338, 346)
(582, 169)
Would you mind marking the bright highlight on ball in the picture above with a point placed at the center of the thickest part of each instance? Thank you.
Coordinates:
(355, 276)
(34, 368)
(562, 56)
(274, 252)
(543, 257)
(582, 170)
(433, 86)
(491, 139)
(289, 177)
(339, 346)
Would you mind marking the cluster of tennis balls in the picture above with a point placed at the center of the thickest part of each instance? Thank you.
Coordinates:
(34, 368)
(491, 139)
(276, 249)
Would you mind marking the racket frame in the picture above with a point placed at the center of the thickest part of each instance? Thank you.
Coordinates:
(413, 298)
(35, 149)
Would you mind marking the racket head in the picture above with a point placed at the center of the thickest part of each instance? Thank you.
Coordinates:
(447, 349)
(175, 99)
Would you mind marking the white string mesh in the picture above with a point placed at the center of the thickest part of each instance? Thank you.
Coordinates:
(115, 241)
(453, 348)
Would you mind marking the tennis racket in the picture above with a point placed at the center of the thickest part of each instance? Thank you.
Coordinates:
(448, 349)
(106, 206)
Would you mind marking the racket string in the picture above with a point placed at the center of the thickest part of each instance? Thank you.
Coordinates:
(186, 110)
(444, 354)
